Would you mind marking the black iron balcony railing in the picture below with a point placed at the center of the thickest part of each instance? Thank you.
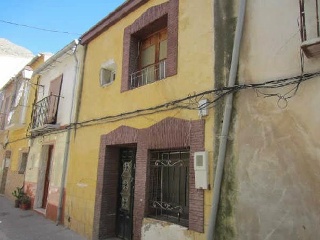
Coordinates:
(45, 111)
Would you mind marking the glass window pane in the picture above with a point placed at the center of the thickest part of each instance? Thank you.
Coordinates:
(163, 50)
(148, 56)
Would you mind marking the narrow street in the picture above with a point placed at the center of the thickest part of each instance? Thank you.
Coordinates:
(17, 224)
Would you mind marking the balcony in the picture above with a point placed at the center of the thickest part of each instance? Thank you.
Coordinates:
(148, 74)
(310, 28)
(45, 115)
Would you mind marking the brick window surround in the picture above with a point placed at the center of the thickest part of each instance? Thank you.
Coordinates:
(170, 133)
(154, 19)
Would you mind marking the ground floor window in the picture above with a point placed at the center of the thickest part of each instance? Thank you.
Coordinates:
(169, 186)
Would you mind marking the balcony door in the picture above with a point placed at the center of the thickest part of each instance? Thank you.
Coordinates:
(54, 96)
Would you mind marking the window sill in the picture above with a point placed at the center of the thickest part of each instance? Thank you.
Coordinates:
(168, 220)
(311, 47)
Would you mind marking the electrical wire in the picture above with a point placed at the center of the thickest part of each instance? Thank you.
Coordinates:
(38, 28)
(191, 102)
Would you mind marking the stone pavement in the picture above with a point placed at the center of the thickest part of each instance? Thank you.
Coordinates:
(17, 224)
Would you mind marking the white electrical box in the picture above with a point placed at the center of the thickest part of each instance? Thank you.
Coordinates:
(203, 107)
(201, 170)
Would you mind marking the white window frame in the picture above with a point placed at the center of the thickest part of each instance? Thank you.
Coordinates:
(107, 73)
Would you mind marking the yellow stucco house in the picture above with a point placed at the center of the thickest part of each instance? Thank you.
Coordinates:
(131, 171)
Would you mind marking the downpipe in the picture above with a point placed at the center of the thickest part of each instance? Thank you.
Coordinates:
(66, 152)
(226, 122)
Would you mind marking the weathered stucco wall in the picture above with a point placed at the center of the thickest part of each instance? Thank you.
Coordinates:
(276, 147)
(158, 230)
(36, 170)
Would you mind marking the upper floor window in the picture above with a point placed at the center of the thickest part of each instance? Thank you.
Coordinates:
(150, 46)
(17, 114)
(310, 27)
(152, 59)
(45, 111)
(107, 73)
(5, 107)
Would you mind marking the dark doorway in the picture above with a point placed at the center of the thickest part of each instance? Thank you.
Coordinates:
(126, 193)
(6, 165)
(47, 178)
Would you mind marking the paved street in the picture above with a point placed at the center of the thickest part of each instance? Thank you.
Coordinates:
(16, 224)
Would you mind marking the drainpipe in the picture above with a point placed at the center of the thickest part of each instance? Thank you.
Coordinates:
(226, 122)
(67, 146)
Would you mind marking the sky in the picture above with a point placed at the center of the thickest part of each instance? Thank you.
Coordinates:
(70, 16)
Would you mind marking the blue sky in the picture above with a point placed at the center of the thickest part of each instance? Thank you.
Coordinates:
(62, 15)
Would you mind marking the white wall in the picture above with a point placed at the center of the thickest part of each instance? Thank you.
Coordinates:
(65, 65)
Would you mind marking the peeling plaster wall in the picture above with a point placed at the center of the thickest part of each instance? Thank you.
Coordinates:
(35, 162)
(159, 230)
(276, 147)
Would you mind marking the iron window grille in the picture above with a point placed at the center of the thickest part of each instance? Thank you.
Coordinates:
(169, 186)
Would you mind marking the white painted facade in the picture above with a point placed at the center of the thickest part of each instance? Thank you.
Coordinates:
(67, 62)
(65, 65)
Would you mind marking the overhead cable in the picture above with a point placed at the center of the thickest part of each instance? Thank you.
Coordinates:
(38, 28)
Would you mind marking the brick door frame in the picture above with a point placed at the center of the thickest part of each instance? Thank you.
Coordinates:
(170, 133)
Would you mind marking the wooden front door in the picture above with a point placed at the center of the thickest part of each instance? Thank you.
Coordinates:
(4, 180)
(126, 193)
(47, 178)
(6, 166)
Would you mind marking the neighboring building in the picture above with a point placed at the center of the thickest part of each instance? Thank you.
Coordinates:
(16, 105)
(56, 82)
(271, 189)
(134, 125)
(13, 57)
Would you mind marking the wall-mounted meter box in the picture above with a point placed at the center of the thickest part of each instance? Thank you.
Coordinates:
(201, 170)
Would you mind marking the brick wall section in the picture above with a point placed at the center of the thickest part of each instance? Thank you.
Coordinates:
(173, 23)
(170, 133)
(196, 196)
(149, 22)
(107, 181)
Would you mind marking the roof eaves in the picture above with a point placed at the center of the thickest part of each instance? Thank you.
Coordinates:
(123, 10)
(55, 57)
